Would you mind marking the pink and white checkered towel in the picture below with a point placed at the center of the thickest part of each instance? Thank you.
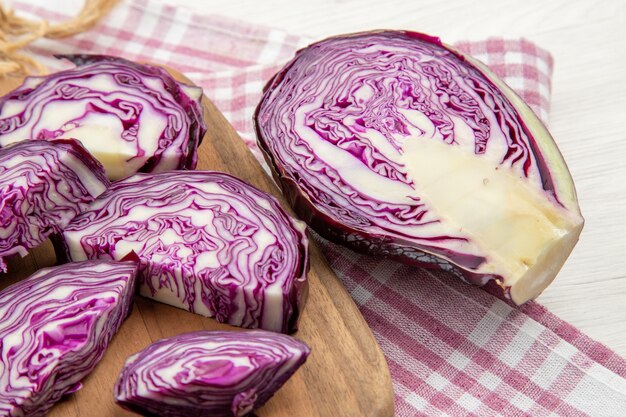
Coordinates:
(452, 349)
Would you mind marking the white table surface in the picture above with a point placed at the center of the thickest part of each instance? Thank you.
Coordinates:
(587, 118)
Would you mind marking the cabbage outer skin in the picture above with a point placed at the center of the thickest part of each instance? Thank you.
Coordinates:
(395, 144)
(207, 243)
(43, 185)
(208, 373)
(132, 117)
(54, 328)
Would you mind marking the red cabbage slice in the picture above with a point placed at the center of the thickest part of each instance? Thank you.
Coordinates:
(54, 328)
(132, 117)
(208, 373)
(208, 243)
(43, 185)
(395, 144)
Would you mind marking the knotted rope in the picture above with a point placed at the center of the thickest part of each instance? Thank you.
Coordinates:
(17, 32)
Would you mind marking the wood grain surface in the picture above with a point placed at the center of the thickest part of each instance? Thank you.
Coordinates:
(346, 374)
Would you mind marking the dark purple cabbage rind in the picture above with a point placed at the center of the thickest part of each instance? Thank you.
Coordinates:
(40, 191)
(208, 373)
(54, 329)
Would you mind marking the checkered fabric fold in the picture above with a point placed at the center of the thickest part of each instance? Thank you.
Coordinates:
(452, 349)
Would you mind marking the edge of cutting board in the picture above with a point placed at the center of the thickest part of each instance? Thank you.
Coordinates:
(346, 374)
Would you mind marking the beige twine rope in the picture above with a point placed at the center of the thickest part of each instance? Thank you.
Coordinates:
(17, 32)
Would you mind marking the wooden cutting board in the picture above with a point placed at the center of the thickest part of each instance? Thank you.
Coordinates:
(346, 374)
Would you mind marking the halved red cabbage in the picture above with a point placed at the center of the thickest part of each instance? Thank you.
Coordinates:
(54, 328)
(131, 117)
(394, 143)
(43, 185)
(208, 243)
(208, 373)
